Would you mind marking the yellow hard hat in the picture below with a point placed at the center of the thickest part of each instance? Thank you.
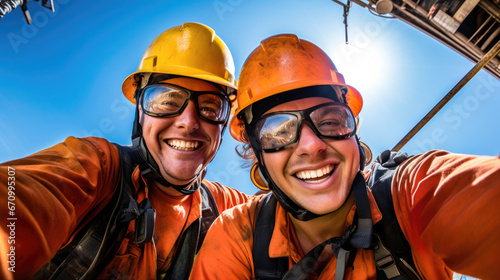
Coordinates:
(283, 63)
(190, 50)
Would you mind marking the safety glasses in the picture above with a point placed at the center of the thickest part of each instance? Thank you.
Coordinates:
(167, 100)
(276, 131)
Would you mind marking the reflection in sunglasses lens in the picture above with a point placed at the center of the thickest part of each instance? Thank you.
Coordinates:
(169, 100)
(279, 129)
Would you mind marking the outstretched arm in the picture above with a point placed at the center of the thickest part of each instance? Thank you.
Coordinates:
(447, 205)
(45, 197)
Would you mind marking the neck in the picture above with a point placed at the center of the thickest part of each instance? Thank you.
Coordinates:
(313, 232)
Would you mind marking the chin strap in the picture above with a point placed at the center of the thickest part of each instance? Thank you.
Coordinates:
(362, 237)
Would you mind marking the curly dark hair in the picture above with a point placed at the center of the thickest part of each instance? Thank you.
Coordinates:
(245, 151)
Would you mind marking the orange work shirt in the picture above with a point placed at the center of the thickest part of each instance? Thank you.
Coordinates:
(60, 189)
(445, 203)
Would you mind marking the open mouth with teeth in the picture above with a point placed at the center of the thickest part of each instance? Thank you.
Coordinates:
(315, 176)
(184, 145)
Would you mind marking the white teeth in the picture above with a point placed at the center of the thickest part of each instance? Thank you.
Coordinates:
(183, 145)
(312, 174)
(319, 172)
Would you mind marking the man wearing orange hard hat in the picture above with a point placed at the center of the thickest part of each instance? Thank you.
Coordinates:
(90, 209)
(419, 217)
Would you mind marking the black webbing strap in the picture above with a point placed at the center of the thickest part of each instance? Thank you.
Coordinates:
(362, 236)
(266, 268)
(209, 212)
(388, 230)
(191, 240)
(182, 263)
(73, 260)
(384, 260)
(115, 230)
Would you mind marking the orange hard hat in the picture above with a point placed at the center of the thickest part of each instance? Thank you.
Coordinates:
(282, 63)
(191, 50)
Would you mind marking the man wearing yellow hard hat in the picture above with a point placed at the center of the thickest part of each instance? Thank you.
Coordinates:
(419, 217)
(90, 209)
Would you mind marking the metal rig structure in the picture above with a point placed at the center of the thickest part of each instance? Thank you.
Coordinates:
(470, 27)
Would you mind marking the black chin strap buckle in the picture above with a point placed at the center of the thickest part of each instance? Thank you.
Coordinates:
(144, 216)
(145, 223)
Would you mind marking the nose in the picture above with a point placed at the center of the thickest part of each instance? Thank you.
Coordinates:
(309, 143)
(188, 119)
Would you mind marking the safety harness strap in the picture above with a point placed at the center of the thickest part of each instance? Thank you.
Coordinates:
(388, 232)
(209, 212)
(342, 258)
(76, 259)
(362, 236)
(193, 237)
(181, 265)
(385, 261)
(266, 268)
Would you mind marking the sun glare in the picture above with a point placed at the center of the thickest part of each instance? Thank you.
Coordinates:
(365, 69)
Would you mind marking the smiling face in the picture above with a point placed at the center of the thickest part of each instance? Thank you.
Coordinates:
(315, 173)
(182, 145)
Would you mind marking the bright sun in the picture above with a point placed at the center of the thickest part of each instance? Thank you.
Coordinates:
(363, 68)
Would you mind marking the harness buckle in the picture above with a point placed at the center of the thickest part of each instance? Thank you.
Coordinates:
(385, 262)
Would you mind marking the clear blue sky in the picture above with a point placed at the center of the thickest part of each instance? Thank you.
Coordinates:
(62, 75)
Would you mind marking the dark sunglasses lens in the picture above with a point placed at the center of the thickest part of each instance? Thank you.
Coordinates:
(333, 121)
(213, 107)
(276, 131)
(163, 100)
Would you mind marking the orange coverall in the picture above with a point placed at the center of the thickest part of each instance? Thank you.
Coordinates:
(447, 206)
(60, 189)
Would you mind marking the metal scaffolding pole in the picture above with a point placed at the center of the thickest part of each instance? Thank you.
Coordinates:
(486, 58)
